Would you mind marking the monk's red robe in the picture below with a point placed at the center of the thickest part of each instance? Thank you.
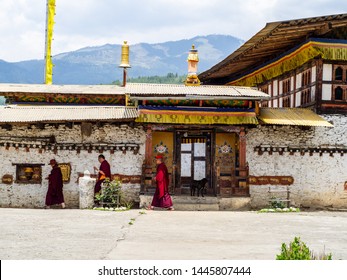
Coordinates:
(55, 187)
(105, 167)
(161, 196)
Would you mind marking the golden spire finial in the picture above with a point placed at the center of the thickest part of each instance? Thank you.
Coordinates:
(125, 56)
(193, 59)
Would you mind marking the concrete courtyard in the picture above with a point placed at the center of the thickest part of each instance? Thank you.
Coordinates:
(73, 234)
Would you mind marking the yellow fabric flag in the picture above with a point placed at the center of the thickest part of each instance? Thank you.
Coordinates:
(49, 37)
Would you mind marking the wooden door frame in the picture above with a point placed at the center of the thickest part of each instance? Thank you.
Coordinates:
(210, 138)
(175, 188)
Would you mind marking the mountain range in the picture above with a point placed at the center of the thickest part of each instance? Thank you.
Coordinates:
(99, 64)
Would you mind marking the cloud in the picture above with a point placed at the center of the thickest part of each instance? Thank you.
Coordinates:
(98, 22)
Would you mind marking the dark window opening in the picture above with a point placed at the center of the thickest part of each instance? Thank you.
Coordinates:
(305, 97)
(338, 74)
(286, 101)
(306, 78)
(286, 86)
(338, 93)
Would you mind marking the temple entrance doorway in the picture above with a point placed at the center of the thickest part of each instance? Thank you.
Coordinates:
(193, 161)
(217, 154)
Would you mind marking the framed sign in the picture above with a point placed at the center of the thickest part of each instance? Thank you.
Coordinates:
(66, 171)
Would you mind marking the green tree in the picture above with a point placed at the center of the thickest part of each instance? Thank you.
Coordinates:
(170, 78)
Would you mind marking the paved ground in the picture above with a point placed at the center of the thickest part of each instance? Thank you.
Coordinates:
(90, 234)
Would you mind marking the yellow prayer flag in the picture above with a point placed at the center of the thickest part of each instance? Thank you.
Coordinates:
(49, 37)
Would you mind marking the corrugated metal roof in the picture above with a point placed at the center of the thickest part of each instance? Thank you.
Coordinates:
(292, 116)
(182, 90)
(24, 114)
(136, 89)
(62, 89)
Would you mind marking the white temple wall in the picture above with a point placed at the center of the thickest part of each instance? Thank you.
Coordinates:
(128, 162)
(320, 179)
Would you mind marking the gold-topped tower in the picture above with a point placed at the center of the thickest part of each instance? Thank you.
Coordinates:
(193, 59)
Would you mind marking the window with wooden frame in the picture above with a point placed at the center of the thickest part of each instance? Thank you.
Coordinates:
(306, 96)
(265, 89)
(339, 93)
(286, 86)
(306, 78)
(340, 73)
(286, 101)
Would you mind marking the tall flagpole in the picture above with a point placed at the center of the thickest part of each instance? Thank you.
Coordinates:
(50, 12)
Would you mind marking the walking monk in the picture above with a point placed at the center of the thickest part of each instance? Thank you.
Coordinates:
(55, 186)
(103, 172)
(161, 196)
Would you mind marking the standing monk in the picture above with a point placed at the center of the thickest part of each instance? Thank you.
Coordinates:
(55, 186)
(103, 172)
(161, 196)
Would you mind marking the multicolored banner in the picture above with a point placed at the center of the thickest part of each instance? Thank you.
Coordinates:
(196, 116)
(49, 37)
(325, 48)
(204, 103)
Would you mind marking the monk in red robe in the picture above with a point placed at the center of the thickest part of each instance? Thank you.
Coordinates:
(103, 172)
(161, 196)
(55, 186)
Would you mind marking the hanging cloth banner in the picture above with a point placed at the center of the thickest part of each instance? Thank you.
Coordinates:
(206, 117)
(49, 37)
(324, 48)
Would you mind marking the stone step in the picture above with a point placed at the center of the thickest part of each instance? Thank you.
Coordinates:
(195, 200)
(207, 203)
(190, 203)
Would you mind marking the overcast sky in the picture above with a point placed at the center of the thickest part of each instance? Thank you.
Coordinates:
(97, 22)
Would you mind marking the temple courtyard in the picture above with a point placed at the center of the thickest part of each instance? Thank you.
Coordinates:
(73, 234)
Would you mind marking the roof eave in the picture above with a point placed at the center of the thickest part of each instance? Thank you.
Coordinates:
(199, 97)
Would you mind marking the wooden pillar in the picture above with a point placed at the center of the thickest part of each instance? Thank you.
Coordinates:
(147, 166)
(148, 151)
(242, 152)
(272, 94)
(294, 89)
(257, 110)
(319, 87)
(278, 93)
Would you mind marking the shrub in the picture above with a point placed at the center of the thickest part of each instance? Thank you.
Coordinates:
(110, 194)
(298, 250)
(276, 203)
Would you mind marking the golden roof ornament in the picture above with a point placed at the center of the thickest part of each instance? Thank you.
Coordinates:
(125, 56)
(193, 59)
(193, 54)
